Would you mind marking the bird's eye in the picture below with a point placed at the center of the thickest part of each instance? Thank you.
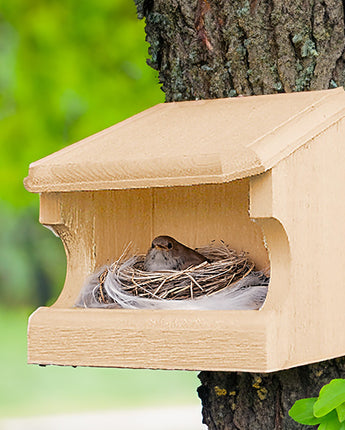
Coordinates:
(169, 245)
(152, 246)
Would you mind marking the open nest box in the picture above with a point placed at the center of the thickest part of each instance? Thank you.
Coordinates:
(265, 174)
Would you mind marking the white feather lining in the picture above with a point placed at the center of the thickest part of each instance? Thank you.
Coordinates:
(247, 293)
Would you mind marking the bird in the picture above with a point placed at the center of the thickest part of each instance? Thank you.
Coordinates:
(166, 253)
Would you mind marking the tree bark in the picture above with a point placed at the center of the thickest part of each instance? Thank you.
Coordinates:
(248, 401)
(209, 49)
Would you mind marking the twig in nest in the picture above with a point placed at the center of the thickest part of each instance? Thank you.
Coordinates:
(126, 276)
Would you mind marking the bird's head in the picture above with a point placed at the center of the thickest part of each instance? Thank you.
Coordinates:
(166, 253)
(164, 243)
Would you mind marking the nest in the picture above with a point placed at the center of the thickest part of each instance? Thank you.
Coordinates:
(126, 278)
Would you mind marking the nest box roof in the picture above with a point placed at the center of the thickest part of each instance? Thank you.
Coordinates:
(192, 142)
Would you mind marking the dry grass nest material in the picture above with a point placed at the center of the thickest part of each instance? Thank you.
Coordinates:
(224, 268)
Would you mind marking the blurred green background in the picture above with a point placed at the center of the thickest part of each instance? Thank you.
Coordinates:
(68, 69)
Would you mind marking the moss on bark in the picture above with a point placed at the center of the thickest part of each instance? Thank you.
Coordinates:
(211, 49)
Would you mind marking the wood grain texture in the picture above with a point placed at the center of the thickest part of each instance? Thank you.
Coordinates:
(191, 340)
(194, 142)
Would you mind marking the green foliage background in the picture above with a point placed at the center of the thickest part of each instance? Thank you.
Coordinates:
(68, 69)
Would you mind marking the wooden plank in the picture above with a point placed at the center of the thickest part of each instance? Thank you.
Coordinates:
(197, 215)
(193, 142)
(207, 340)
(307, 190)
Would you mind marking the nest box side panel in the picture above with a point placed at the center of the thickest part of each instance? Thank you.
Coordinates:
(95, 228)
(277, 241)
(308, 199)
(196, 215)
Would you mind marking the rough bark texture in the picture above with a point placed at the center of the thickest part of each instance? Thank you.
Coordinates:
(248, 401)
(209, 49)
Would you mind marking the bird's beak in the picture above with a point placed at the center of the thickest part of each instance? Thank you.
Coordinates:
(161, 247)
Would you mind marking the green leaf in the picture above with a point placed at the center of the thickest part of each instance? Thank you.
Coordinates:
(302, 411)
(331, 396)
(341, 412)
(330, 422)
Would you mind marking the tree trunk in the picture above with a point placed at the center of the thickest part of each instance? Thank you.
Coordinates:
(247, 401)
(209, 49)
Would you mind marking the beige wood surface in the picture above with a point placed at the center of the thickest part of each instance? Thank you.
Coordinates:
(308, 199)
(291, 217)
(186, 143)
(213, 340)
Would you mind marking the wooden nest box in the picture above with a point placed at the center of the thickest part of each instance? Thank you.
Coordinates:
(265, 174)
